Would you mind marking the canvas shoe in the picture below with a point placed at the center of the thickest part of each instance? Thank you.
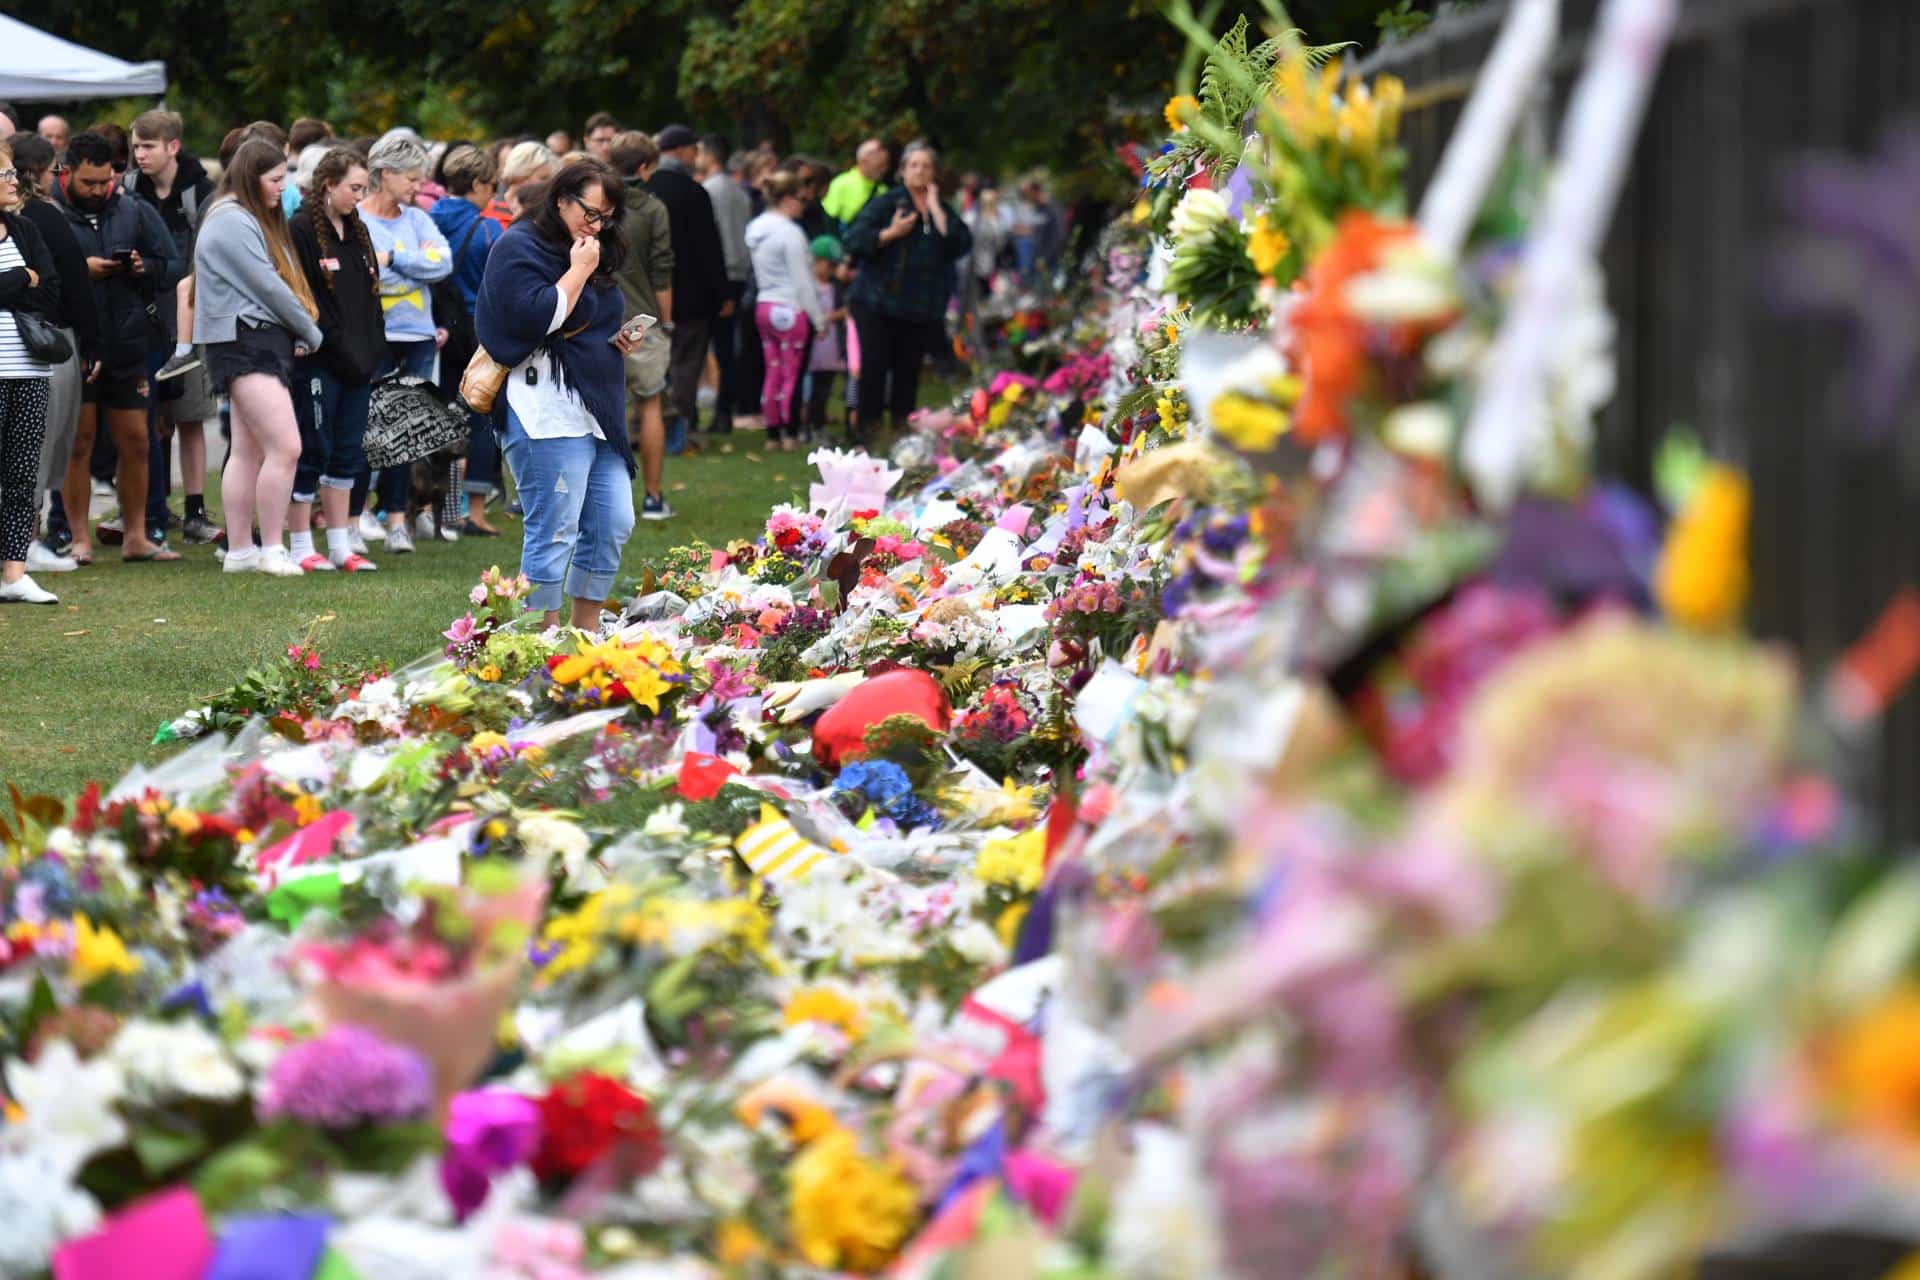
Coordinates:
(654, 507)
(370, 528)
(278, 562)
(183, 362)
(399, 541)
(42, 560)
(24, 590)
(247, 561)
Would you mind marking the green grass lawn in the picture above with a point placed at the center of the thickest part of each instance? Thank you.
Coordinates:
(131, 646)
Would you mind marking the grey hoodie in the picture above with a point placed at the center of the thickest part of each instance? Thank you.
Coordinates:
(234, 280)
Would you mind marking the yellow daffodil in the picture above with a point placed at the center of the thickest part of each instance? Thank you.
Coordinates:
(98, 952)
(825, 1005)
(1268, 245)
(1247, 423)
(849, 1212)
(1018, 862)
(1701, 579)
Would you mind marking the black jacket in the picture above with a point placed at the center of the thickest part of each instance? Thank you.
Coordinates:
(130, 320)
(699, 263)
(16, 294)
(76, 310)
(189, 197)
(347, 292)
(912, 277)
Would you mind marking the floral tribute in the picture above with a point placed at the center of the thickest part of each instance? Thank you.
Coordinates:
(1160, 820)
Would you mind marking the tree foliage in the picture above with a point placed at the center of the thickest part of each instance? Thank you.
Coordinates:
(998, 84)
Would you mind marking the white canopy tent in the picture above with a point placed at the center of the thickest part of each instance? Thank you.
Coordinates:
(37, 67)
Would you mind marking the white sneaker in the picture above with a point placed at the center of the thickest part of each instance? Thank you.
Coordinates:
(449, 534)
(356, 542)
(24, 590)
(399, 541)
(41, 560)
(423, 526)
(370, 528)
(101, 489)
(247, 561)
(279, 562)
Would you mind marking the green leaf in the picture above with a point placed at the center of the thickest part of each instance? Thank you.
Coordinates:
(235, 1177)
(161, 1150)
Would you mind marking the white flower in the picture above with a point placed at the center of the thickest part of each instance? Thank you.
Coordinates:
(1165, 1224)
(41, 1209)
(161, 1058)
(668, 822)
(557, 840)
(69, 1105)
(977, 943)
(1424, 430)
(1410, 285)
(1199, 214)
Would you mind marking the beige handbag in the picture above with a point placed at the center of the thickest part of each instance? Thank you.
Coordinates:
(480, 384)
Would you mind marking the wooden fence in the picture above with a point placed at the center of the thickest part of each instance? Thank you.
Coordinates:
(1693, 264)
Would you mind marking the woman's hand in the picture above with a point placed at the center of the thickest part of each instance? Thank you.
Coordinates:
(902, 225)
(33, 278)
(935, 209)
(628, 345)
(586, 253)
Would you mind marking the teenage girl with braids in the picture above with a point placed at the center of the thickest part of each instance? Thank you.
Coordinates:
(332, 387)
(254, 313)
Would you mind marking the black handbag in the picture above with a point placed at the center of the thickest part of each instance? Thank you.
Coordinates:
(408, 419)
(42, 341)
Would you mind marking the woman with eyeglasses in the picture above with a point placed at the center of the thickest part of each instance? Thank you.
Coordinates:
(29, 285)
(550, 311)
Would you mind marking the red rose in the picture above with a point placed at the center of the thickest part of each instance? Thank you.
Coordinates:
(589, 1117)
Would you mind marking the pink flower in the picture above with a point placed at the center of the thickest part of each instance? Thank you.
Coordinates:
(462, 631)
(478, 595)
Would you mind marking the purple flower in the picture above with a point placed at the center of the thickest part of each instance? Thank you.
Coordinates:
(346, 1077)
(489, 1131)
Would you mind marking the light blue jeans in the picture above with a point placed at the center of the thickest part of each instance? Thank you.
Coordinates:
(578, 500)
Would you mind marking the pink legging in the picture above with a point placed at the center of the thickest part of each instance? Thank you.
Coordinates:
(266, 449)
(785, 356)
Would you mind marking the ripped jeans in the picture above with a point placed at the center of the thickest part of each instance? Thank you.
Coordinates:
(578, 500)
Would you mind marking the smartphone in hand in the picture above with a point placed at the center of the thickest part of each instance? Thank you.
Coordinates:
(636, 328)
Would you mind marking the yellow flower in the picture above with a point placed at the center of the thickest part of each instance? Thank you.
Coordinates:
(849, 1212)
(824, 1004)
(1180, 108)
(98, 952)
(1008, 925)
(185, 821)
(736, 1244)
(484, 741)
(1268, 245)
(1873, 1066)
(1701, 580)
(490, 673)
(1246, 423)
(804, 1116)
(1018, 862)
(306, 809)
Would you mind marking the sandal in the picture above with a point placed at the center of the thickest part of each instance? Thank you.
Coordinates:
(159, 555)
(469, 528)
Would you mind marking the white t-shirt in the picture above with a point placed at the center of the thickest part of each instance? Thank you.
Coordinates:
(14, 360)
(547, 410)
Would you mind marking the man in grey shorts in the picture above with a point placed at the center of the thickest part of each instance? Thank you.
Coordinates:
(646, 283)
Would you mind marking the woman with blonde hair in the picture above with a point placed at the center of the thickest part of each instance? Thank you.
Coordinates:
(526, 162)
(254, 313)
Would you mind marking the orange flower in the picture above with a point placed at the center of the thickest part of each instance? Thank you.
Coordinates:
(1873, 1066)
(1329, 341)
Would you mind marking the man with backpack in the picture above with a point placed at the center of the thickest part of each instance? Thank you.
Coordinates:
(178, 188)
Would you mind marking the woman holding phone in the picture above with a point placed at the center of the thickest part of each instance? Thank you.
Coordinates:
(550, 312)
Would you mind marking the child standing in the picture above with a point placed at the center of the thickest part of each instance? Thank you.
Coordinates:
(829, 354)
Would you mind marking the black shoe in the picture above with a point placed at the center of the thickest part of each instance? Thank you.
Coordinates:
(59, 541)
(199, 530)
(720, 426)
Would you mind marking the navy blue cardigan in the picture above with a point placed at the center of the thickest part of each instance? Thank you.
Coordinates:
(516, 306)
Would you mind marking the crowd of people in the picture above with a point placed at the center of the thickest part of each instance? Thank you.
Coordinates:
(568, 301)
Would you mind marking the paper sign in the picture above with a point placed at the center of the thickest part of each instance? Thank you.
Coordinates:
(1015, 520)
(277, 1247)
(310, 843)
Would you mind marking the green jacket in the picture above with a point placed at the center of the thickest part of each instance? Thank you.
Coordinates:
(649, 265)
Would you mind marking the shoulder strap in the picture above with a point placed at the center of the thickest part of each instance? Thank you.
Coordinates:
(190, 205)
(466, 240)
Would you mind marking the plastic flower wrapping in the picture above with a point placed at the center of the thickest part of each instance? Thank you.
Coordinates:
(1157, 822)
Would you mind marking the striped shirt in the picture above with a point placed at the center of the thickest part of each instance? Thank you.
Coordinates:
(14, 360)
